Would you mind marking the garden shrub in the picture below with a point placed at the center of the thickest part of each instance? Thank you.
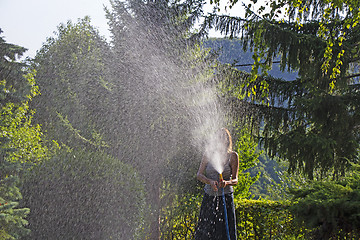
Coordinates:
(256, 219)
(330, 209)
(84, 195)
(265, 219)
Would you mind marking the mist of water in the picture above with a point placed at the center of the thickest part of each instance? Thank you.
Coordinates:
(162, 100)
(182, 89)
(216, 151)
(172, 102)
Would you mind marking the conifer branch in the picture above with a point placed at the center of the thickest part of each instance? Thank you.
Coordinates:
(353, 76)
(250, 64)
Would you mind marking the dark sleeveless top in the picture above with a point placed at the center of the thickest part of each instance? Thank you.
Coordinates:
(212, 174)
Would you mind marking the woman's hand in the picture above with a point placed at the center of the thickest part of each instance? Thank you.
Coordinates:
(222, 183)
(214, 185)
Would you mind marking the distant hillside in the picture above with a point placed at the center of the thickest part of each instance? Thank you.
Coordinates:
(231, 51)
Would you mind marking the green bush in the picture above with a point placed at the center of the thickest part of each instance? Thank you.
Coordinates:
(179, 220)
(256, 219)
(265, 219)
(84, 195)
(330, 209)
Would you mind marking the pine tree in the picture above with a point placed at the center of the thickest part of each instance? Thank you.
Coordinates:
(12, 218)
(19, 140)
(312, 121)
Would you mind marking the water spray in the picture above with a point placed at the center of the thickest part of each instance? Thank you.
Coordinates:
(225, 211)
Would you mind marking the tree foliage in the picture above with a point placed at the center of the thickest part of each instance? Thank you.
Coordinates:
(309, 121)
(155, 64)
(84, 195)
(119, 97)
(20, 140)
(14, 87)
(12, 217)
(80, 193)
(116, 103)
(71, 77)
(249, 154)
(265, 219)
(331, 209)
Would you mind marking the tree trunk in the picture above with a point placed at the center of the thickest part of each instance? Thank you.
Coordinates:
(155, 211)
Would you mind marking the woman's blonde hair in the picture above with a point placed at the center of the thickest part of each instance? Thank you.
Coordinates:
(228, 139)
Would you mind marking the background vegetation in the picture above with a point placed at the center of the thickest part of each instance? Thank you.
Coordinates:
(78, 140)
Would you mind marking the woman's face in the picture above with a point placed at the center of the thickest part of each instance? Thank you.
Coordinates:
(222, 140)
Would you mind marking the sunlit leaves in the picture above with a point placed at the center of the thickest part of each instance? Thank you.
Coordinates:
(265, 219)
(336, 18)
(24, 137)
(21, 145)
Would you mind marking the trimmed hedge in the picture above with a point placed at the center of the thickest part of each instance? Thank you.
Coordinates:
(256, 219)
(265, 219)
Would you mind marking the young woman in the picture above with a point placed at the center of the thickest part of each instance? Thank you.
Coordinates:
(211, 224)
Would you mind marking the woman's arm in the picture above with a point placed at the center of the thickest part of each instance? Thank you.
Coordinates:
(201, 174)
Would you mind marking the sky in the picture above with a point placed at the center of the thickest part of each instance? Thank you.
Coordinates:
(28, 23)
